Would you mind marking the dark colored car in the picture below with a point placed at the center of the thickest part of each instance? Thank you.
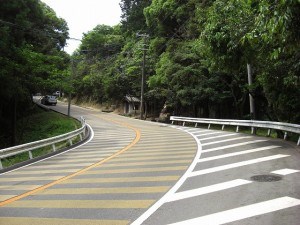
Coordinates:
(49, 100)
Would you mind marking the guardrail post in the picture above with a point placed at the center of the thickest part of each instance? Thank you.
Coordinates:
(237, 129)
(172, 122)
(223, 126)
(253, 130)
(196, 125)
(70, 141)
(269, 133)
(285, 135)
(80, 135)
(208, 126)
(30, 155)
(298, 143)
(1, 167)
(53, 147)
(183, 124)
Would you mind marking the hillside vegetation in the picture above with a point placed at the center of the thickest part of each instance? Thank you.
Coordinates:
(196, 58)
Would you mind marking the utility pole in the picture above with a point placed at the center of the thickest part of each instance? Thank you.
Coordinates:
(145, 36)
(251, 99)
(71, 87)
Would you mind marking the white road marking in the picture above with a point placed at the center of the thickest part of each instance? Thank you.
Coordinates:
(237, 153)
(224, 135)
(170, 193)
(285, 171)
(189, 129)
(227, 140)
(208, 189)
(232, 146)
(243, 212)
(206, 134)
(199, 131)
(235, 165)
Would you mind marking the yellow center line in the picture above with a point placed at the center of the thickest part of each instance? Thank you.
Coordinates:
(136, 140)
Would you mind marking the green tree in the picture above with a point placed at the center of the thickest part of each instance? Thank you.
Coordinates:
(31, 41)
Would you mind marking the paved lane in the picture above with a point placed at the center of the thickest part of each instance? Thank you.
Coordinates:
(220, 189)
(126, 167)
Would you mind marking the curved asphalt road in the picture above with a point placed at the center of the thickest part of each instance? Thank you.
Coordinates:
(138, 172)
(126, 167)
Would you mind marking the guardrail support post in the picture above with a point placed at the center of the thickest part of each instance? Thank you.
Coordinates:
(70, 141)
(53, 147)
(80, 135)
(30, 155)
(269, 133)
(172, 122)
(237, 129)
(208, 126)
(223, 126)
(285, 135)
(253, 130)
(196, 125)
(183, 124)
(1, 167)
(298, 143)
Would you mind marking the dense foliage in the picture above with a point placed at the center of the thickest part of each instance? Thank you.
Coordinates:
(31, 58)
(197, 56)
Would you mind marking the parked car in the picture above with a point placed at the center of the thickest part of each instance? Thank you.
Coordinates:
(49, 100)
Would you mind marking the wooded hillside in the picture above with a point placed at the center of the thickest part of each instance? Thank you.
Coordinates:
(196, 56)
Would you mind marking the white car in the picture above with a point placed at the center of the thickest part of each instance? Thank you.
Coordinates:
(49, 100)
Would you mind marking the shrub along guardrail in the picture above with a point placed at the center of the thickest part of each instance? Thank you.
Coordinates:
(285, 127)
(29, 147)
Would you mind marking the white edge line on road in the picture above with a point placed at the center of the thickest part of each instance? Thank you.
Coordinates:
(243, 212)
(91, 138)
(170, 193)
(208, 189)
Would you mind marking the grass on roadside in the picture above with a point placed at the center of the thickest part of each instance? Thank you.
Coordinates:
(38, 126)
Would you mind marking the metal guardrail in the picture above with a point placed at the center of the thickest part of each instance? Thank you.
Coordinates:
(286, 127)
(7, 152)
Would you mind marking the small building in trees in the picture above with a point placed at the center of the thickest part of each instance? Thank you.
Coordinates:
(131, 104)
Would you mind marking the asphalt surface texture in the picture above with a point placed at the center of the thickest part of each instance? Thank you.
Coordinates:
(138, 172)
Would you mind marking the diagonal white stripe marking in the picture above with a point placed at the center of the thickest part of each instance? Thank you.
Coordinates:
(224, 135)
(237, 153)
(188, 129)
(206, 134)
(234, 165)
(232, 146)
(199, 131)
(243, 212)
(285, 171)
(208, 189)
(232, 139)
